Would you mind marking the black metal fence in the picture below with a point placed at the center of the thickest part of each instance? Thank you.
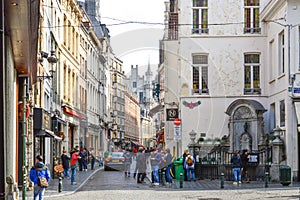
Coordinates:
(216, 163)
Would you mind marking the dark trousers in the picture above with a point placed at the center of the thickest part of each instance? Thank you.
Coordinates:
(93, 163)
(80, 163)
(141, 177)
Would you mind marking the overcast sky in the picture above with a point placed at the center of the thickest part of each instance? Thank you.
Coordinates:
(134, 44)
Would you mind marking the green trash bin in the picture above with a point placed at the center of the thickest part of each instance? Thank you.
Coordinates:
(285, 175)
(179, 168)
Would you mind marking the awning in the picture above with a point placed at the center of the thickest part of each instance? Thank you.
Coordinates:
(72, 112)
(46, 133)
(297, 110)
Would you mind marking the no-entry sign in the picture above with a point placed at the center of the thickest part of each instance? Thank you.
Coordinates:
(177, 122)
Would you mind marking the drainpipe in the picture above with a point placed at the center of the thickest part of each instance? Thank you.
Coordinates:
(289, 55)
(2, 106)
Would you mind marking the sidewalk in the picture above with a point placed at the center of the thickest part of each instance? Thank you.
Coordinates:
(208, 184)
(81, 178)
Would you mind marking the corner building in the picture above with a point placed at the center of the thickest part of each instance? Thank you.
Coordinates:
(231, 68)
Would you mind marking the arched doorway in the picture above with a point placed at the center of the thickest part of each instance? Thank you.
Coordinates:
(246, 126)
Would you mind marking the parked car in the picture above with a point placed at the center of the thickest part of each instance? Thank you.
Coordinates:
(114, 161)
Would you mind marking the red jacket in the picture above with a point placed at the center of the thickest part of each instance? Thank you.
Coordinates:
(74, 159)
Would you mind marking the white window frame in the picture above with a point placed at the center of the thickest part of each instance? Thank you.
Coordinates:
(272, 68)
(200, 66)
(252, 28)
(281, 53)
(200, 30)
(252, 65)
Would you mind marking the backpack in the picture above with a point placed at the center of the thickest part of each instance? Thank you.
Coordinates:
(189, 161)
(42, 181)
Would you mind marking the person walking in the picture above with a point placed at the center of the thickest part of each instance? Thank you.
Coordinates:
(184, 155)
(236, 167)
(127, 163)
(39, 170)
(136, 163)
(244, 160)
(93, 159)
(189, 164)
(155, 163)
(83, 160)
(75, 157)
(168, 163)
(141, 165)
(65, 159)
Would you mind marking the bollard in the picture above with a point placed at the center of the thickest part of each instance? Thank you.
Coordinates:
(160, 176)
(266, 179)
(163, 178)
(222, 180)
(59, 184)
(181, 181)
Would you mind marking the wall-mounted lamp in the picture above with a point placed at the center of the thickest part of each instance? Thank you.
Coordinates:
(52, 59)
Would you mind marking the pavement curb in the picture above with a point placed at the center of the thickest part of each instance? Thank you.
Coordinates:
(77, 188)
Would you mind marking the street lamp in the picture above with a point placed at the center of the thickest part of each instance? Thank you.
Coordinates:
(193, 137)
(52, 59)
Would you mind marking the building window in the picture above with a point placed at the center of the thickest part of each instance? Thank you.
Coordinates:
(200, 16)
(134, 84)
(272, 60)
(251, 16)
(281, 60)
(200, 74)
(65, 30)
(252, 74)
(272, 119)
(282, 113)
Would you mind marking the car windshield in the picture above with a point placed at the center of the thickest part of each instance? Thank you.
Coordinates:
(116, 154)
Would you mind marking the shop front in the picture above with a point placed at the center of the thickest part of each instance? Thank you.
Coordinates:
(46, 142)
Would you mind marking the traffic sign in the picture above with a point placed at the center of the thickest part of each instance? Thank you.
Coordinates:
(177, 133)
(177, 122)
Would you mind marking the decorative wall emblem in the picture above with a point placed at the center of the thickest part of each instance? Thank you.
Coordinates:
(191, 105)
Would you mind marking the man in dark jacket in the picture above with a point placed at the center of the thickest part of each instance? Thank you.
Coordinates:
(39, 171)
(66, 164)
(236, 167)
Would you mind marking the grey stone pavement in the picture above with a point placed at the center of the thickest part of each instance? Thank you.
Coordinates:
(200, 185)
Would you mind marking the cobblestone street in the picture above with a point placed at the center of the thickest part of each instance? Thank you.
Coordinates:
(99, 184)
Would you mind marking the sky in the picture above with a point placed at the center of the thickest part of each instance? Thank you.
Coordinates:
(134, 43)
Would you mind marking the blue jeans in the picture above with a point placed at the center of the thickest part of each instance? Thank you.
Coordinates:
(127, 168)
(188, 171)
(73, 173)
(237, 174)
(168, 173)
(38, 192)
(67, 172)
(155, 169)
